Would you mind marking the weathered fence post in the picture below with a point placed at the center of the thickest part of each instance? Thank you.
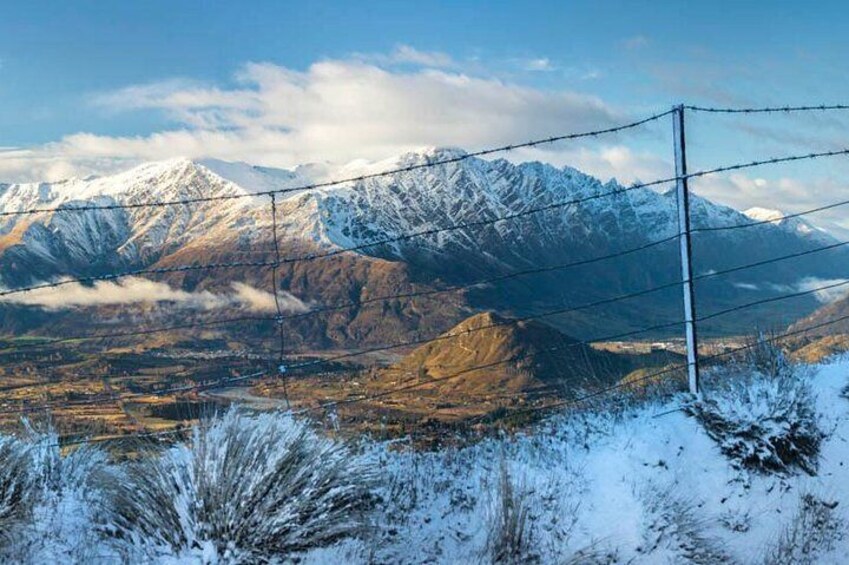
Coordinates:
(686, 249)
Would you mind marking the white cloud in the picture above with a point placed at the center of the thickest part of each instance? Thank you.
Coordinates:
(542, 64)
(256, 300)
(334, 111)
(826, 295)
(819, 287)
(133, 290)
(410, 56)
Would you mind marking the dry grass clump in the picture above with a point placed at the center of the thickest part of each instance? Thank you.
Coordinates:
(248, 489)
(509, 535)
(17, 488)
(761, 412)
(675, 525)
(813, 529)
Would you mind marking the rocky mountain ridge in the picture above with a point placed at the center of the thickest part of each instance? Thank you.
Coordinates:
(471, 193)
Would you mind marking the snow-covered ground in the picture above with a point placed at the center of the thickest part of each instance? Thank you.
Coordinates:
(644, 484)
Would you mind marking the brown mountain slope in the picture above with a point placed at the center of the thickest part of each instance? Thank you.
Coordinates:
(822, 333)
(328, 284)
(819, 341)
(830, 312)
(345, 290)
(540, 359)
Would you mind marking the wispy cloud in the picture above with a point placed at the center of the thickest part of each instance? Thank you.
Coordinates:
(433, 59)
(806, 284)
(135, 290)
(827, 295)
(540, 64)
(257, 300)
(815, 285)
(408, 55)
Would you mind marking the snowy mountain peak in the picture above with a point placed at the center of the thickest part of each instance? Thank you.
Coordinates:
(765, 214)
(434, 153)
(436, 200)
(422, 156)
(102, 234)
(795, 225)
(173, 179)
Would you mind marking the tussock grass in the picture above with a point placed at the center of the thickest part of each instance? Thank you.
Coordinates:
(761, 412)
(812, 530)
(51, 503)
(248, 489)
(676, 525)
(17, 488)
(509, 534)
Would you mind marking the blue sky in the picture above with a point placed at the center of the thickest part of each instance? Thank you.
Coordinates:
(86, 87)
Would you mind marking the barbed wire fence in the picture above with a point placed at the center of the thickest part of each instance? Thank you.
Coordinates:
(281, 369)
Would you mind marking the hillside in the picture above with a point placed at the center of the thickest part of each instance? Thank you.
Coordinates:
(483, 368)
(836, 312)
(822, 333)
(546, 361)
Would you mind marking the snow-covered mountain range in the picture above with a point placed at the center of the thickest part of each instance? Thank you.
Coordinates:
(52, 244)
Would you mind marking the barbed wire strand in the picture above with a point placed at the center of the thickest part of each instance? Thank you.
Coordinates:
(229, 382)
(569, 309)
(712, 274)
(630, 383)
(244, 364)
(678, 367)
(767, 109)
(774, 220)
(773, 299)
(561, 311)
(334, 252)
(714, 171)
(430, 292)
(133, 333)
(772, 161)
(478, 283)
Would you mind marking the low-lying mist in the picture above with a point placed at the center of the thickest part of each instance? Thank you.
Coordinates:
(135, 290)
